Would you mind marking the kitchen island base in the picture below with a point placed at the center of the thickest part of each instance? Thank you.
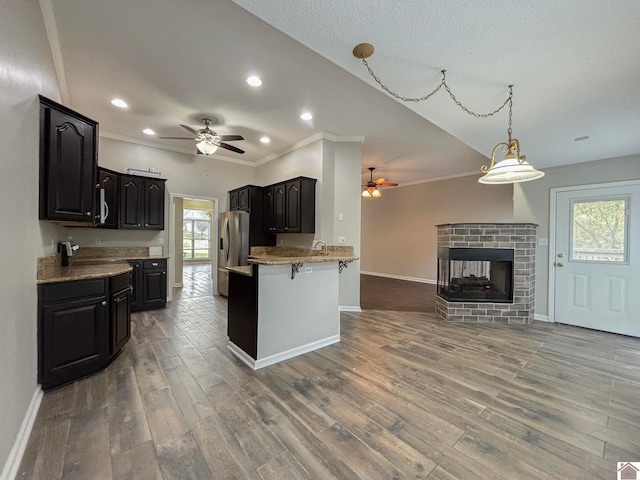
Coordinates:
(273, 317)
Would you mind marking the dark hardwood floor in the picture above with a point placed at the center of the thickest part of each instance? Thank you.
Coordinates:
(380, 293)
(403, 395)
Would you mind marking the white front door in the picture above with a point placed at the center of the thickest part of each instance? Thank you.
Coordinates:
(597, 258)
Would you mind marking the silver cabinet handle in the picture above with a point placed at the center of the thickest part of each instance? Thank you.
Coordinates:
(89, 213)
(155, 264)
(104, 302)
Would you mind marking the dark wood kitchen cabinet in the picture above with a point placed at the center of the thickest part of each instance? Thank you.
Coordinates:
(109, 182)
(73, 329)
(149, 282)
(290, 207)
(247, 198)
(68, 165)
(119, 312)
(141, 203)
(82, 325)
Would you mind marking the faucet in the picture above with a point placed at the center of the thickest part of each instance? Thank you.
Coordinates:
(318, 242)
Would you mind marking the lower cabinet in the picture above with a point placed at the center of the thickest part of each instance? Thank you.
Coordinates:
(79, 330)
(149, 281)
(120, 312)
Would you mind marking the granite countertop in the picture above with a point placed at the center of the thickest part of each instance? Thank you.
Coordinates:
(243, 270)
(290, 255)
(56, 273)
(91, 262)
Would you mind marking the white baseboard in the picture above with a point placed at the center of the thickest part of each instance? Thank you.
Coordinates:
(541, 318)
(279, 357)
(400, 277)
(350, 308)
(12, 465)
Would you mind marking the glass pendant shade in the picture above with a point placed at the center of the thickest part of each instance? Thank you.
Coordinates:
(366, 194)
(376, 193)
(510, 170)
(206, 147)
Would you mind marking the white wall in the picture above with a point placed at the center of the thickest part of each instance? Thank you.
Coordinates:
(26, 70)
(398, 229)
(336, 165)
(531, 204)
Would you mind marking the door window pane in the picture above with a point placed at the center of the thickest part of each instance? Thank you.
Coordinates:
(599, 230)
(196, 234)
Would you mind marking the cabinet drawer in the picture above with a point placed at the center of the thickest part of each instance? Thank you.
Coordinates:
(56, 292)
(119, 282)
(159, 263)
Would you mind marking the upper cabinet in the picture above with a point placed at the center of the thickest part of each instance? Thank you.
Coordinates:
(68, 163)
(108, 201)
(290, 206)
(141, 203)
(246, 198)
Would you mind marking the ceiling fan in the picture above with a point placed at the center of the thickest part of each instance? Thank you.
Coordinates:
(370, 188)
(208, 141)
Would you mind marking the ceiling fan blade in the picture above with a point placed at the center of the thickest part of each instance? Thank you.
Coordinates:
(230, 147)
(387, 184)
(230, 138)
(176, 138)
(186, 127)
(198, 152)
(380, 181)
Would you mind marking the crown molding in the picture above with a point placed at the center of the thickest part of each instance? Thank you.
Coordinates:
(186, 151)
(56, 51)
(309, 140)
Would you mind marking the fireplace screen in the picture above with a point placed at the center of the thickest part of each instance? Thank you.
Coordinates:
(475, 274)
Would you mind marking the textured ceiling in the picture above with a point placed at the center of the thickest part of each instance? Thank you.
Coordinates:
(575, 66)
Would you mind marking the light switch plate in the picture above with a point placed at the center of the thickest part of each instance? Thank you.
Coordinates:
(543, 242)
(342, 240)
(341, 217)
(160, 241)
(308, 269)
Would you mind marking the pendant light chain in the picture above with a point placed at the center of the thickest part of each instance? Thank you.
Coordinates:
(443, 83)
(510, 101)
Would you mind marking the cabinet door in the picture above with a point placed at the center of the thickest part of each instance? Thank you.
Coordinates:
(244, 200)
(293, 206)
(136, 284)
(233, 200)
(154, 288)
(132, 192)
(67, 166)
(109, 182)
(74, 340)
(154, 205)
(268, 206)
(279, 208)
(120, 320)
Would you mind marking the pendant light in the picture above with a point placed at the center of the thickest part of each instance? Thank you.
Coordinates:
(514, 168)
(206, 147)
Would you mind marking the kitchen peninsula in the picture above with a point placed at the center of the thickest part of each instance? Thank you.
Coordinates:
(285, 303)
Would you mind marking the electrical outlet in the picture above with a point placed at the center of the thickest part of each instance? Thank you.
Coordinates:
(98, 241)
(543, 242)
(342, 240)
(160, 241)
(308, 269)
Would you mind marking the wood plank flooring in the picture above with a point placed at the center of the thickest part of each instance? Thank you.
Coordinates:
(403, 395)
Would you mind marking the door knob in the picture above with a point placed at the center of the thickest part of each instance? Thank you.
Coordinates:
(559, 264)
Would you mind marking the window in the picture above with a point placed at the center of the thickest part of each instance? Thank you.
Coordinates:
(599, 230)
(196, 235)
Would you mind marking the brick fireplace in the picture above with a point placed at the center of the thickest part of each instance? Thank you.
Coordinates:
(486, 272)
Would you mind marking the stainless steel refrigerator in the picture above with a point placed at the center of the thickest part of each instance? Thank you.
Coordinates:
(233, 247)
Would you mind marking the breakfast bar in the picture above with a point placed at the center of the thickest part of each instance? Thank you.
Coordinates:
(285, 303)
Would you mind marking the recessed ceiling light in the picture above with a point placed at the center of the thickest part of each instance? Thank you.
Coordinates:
(118, 102)
(306, 116)
(581, 139)
(254, 81)
(148, 131)
(265, 139)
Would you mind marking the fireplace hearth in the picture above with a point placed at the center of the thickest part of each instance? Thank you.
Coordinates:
(486, 272)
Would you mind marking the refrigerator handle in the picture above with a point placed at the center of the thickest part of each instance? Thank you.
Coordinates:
(221, 243)
(225, 234)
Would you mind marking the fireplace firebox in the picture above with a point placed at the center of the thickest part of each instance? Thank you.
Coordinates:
(475, 274)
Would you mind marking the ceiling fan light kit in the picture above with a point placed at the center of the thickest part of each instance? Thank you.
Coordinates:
(512, 169)
(370, 188)
(208, 141)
